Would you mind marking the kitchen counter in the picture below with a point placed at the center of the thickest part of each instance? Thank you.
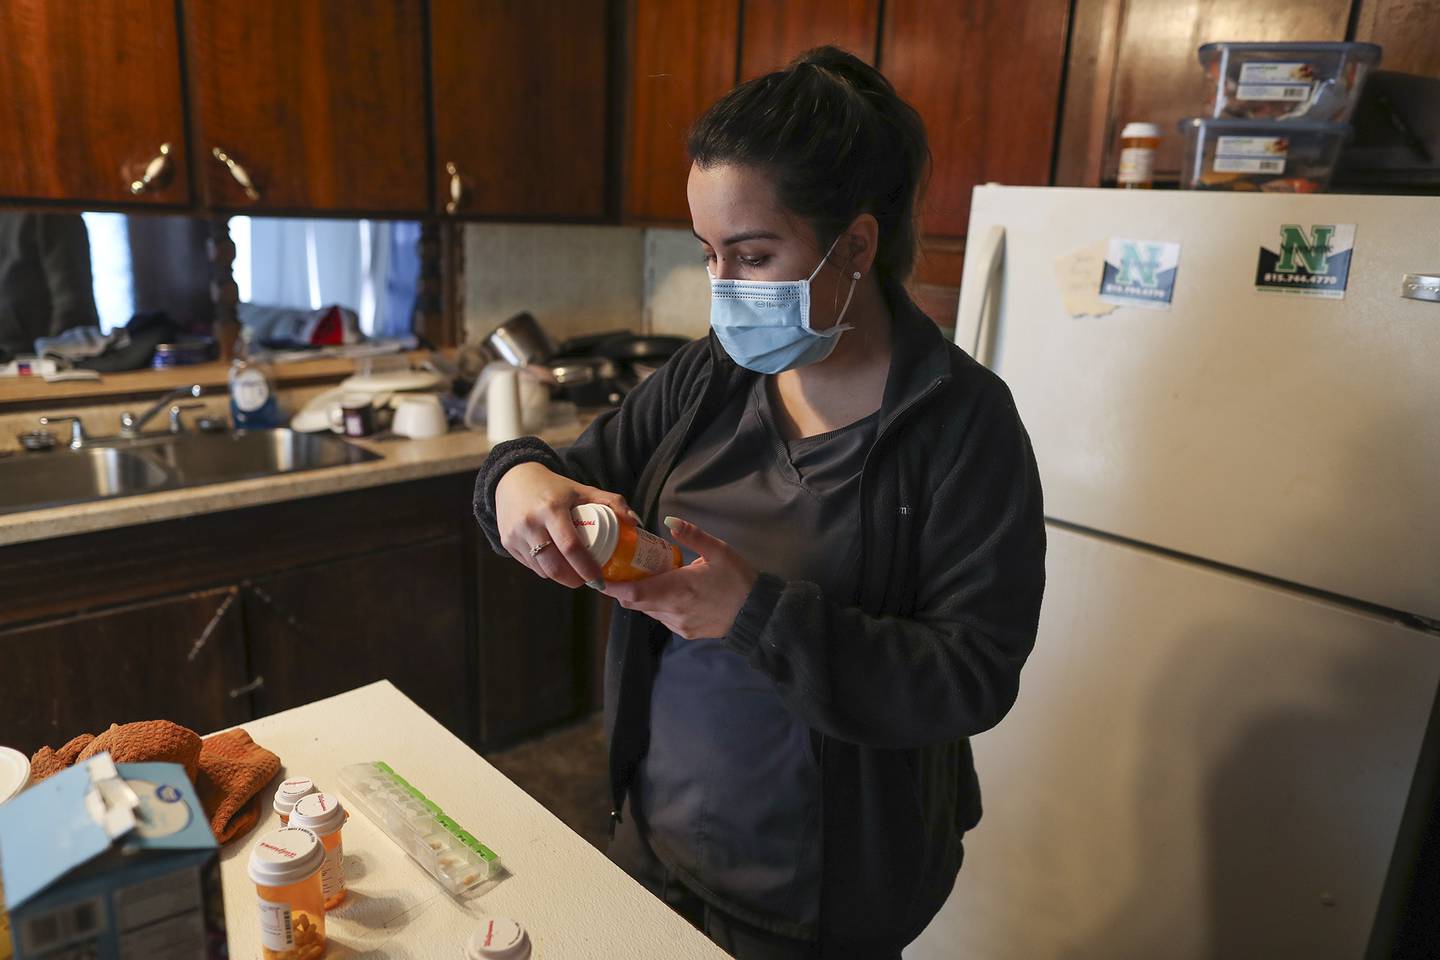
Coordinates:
(402, 459)
(573, 901)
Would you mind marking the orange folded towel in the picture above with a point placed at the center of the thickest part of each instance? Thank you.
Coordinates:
(228, 769)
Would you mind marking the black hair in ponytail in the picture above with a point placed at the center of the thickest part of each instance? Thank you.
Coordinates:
(838, 141)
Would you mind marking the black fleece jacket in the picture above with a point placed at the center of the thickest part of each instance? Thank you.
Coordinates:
(892, 682)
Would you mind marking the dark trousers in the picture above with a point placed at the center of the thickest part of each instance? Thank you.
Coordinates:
(632, 854)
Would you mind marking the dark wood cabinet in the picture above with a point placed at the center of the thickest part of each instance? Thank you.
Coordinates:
(89, 95)
(985, 76)
(533, 679)
(776, 33)
(1409, 30)
(682, 57)
(321, 104)
(521, 96)
(397, 615)
(179, 658)
(214, 619)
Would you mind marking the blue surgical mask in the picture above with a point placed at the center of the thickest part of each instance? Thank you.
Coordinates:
(765, 325)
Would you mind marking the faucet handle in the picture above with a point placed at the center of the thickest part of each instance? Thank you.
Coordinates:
(175, 425)
(77, 429)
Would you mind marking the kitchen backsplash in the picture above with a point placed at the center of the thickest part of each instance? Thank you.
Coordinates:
(584, 279)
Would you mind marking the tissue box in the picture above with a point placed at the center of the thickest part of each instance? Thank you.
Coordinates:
(112, 860)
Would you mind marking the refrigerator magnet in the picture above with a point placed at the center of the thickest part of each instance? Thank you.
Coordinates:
(1311, 259)
(1140, 273)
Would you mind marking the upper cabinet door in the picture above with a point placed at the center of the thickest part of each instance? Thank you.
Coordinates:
(520, 107)
(682, 59)
(985, 76)
(90, 105)
(309, 106)
(776, 33)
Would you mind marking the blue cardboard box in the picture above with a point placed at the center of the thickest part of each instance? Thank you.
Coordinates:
(108, 860)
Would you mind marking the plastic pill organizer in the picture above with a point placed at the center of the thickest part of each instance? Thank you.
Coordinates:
(446, 850)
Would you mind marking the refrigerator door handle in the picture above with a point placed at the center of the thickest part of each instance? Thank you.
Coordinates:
(975, 322)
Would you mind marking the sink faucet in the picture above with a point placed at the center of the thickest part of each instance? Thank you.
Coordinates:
(131, 425)
(77, 429)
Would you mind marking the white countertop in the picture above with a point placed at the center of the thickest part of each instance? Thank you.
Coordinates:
(573, 901)
(402, 460)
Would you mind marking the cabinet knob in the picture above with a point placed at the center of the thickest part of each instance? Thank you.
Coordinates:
(457, 188)
(238, 172)
(156, 174)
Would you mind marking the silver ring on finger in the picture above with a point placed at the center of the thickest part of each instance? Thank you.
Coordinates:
(536, 550)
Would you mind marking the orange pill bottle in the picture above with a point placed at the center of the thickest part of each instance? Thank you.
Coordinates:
(624, 550)
(322, 814)
(1138, 143)
(285, 867)
(289, 791)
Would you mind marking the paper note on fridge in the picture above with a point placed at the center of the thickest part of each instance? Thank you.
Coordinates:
(1140, 273)
(1075, 274)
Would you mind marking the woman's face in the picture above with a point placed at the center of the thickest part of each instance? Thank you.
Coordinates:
(745, 234)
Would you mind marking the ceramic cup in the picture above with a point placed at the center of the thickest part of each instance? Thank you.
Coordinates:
(419, 416)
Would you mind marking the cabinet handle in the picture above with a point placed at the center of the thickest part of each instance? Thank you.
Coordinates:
(238, 172)
(157, 172)
(457, 188)
(250, 687)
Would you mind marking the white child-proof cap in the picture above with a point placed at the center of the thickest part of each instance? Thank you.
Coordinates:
(599, 530)
(289, 791)
(321, 812)
(287, 856)
(1139, 130)
(498, 938)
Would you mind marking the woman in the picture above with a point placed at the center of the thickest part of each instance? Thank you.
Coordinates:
(788, 713)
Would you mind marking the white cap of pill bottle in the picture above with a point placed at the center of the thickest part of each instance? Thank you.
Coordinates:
(498, 938)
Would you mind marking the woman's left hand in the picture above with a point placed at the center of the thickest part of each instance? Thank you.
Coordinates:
(700, 599)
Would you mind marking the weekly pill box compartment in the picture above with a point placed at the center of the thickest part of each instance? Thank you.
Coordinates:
(1260, 154)
(1316, 82)
(449, 853)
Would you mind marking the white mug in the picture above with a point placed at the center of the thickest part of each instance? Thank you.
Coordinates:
(420, 415)
(503, 419)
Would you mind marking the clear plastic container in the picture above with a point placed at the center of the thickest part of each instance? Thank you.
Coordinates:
(447, 851)
(323, 814)
(1318, 82)
(1260, 155)
(285, 867)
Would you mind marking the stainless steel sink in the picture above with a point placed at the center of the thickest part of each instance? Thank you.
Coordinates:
(123, 467)
(48, 479)
(214, 458)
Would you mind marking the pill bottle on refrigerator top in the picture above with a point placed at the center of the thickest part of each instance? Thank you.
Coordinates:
(498, 938)
(290, 790)
(285, 868)
(1138, 143)
(623, 549)
(323, 814)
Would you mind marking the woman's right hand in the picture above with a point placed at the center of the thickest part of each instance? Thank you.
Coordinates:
(532, 507)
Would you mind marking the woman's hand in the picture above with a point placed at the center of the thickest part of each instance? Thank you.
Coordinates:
(700, 599)
(532, 507)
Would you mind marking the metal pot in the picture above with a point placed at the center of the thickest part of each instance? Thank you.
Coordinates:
(520, 341)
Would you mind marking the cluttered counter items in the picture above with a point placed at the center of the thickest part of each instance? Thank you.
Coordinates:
(555, 895)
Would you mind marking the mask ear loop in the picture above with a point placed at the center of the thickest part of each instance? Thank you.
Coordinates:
(838, 326)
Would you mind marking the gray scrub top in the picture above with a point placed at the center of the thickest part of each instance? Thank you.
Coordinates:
(729, 792)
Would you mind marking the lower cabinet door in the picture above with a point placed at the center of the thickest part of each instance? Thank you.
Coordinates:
(396, 615)
(178, 658)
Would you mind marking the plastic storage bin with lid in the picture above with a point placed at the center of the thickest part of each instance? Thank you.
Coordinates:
(1317, 82)
(1260, 155)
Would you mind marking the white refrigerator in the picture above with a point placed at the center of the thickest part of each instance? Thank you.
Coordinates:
(1238, 655)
